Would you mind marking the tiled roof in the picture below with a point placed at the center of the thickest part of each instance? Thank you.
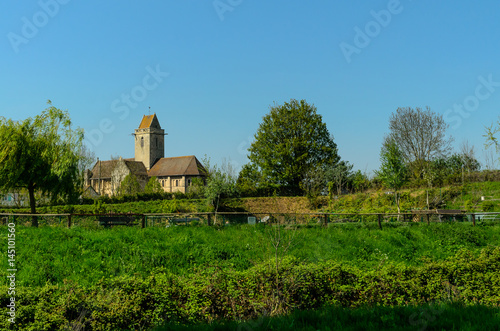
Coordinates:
(103, 169)
(149, 121)
(136, 167)
(178, 166)
(107, 167)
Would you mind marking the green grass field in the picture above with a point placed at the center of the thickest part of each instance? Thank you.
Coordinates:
(347, 276)
(54, 254)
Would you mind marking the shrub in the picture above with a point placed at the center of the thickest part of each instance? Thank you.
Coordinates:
(488, 206)
(214, 293)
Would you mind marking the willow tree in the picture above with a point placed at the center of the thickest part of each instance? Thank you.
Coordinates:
(291, 141)
(41, 154)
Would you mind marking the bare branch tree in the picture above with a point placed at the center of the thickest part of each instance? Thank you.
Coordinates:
(491, 139)
(468, 156)
(420, 135)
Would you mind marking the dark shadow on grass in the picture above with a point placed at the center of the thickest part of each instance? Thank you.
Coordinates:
(449, 316)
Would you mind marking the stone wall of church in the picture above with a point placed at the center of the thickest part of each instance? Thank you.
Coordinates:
(120, 172)
(102, 186)
(176, 183)
(118, 175)
(149, 146)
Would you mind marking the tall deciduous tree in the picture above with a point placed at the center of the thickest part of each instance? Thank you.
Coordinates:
(251, 182)
(41, 154)
(340, 174)
(153, 186)
(291, 140)
(130, 185)
(393, 171)
(220, 183)
(420, 135)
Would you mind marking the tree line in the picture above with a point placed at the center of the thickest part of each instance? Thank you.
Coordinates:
(293, 154)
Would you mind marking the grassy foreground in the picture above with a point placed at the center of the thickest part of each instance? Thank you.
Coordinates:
(123, 278)
(51, 255)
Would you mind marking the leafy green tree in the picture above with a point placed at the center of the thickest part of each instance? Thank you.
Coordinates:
(153, 186)
(315, 181)
(220, 183)
(393, 171)
(359, 181)
(339, 175)
(450, 170)
(129, 186)
(249, 179)
(326, 179)
(41, 154)
(252, 183)
(291, 140)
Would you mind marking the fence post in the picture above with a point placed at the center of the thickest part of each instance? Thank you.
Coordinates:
(209, 216)
(69, 220)
(380, 221)
(325, 220)
(473, 219)
(143, 221)
(428, 219)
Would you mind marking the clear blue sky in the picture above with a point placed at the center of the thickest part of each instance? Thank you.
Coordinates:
(218, 65)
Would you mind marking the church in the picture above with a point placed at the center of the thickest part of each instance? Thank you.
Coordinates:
(175, 174)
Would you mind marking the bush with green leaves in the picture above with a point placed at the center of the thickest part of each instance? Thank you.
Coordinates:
(129, 186)
(213, 293)
(153, 186)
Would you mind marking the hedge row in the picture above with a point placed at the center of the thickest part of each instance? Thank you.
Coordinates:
(213, 293)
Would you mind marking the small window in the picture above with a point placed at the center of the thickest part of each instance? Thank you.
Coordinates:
(176, 183)
(142, 141)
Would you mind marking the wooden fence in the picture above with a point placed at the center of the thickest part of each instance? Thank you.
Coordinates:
(224, 218)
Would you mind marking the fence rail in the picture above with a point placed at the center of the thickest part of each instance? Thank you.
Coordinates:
(231, 218)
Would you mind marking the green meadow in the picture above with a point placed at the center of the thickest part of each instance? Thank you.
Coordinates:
(178, 277)
(55, 254)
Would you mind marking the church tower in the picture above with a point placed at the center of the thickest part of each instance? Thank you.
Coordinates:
(149, 141)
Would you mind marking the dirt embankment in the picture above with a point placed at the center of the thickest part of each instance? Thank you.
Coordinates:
(277, 205)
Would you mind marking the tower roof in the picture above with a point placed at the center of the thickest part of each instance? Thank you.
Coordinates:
(149, 121)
